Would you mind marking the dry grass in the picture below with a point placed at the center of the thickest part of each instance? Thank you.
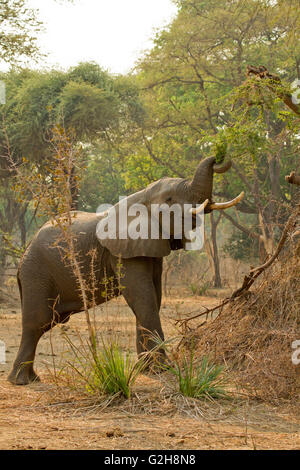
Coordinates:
(254, 335)
(52, 415)
(155, 417)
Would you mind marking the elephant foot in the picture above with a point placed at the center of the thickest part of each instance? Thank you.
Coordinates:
(23, 376)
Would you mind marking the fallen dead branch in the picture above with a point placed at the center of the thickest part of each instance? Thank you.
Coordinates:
(254, 332)
(254, 335)
(253, 274)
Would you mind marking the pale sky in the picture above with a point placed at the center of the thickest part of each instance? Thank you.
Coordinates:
(113, 33)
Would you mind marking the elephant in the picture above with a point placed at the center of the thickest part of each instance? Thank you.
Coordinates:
(49, 289)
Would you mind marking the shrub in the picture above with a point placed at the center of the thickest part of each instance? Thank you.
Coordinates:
(200, 289)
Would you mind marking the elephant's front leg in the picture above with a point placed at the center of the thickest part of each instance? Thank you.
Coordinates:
(140, 292)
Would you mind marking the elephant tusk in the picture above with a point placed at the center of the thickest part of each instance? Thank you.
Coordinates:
(196, 211)
(225, 205)
(102, 214)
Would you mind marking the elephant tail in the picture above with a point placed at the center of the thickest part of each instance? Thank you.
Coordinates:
(19, 285)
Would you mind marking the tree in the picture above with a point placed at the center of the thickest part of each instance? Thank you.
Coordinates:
(19, 26)
(93, 106)
(198, 103)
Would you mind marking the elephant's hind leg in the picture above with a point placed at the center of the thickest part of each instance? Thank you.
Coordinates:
(37, 319)
(22, 372)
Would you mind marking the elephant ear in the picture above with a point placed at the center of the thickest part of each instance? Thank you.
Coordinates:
(125, 230)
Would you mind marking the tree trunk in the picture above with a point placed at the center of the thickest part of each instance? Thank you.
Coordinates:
(22, 227)
(211, 248)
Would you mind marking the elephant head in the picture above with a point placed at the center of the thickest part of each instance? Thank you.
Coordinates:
(166, 191)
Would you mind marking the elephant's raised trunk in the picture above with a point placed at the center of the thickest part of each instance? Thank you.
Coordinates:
(202, 183)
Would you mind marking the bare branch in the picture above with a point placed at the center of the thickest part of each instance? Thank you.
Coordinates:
(254, 273)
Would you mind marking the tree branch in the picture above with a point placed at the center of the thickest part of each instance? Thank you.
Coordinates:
(241, 227)
(275, 85)
(253, 274)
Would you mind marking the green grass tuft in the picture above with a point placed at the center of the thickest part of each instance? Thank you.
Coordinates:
(114, 372)
(200, 379)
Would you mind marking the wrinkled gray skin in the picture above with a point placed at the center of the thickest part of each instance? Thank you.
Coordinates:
(47, 285)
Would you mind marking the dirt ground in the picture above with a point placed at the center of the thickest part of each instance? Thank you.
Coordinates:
(45, 416)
